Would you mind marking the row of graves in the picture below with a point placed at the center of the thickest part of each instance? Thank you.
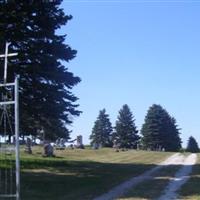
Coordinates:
(116, 145)
(60, 144)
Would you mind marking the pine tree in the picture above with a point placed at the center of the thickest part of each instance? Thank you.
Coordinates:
(160, 130)
(125, 129)
(102, 130)
(173, 140)
(46, 100)
(192, 145)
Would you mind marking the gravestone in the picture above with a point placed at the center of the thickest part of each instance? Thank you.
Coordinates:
(28, 146)
(48, 150)
(116, 145)
(95, 146)
(60, 144)
(79, 141)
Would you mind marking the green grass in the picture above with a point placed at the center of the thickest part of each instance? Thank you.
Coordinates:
(153, 188)
(191, 190)
(81, 174)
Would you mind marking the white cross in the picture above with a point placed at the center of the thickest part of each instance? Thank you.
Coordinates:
(6, 55)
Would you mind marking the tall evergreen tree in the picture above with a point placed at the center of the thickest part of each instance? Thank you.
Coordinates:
(160, 130)
(192, 145)
(125, 129)
(102, 130)
(173, 140)
(46, 100)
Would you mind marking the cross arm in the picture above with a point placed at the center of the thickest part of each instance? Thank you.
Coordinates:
(10, 54)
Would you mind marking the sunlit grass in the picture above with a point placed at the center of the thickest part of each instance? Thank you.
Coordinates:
(81, 174)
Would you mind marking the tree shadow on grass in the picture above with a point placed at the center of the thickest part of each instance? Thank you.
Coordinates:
(84, 180)
(73, 179)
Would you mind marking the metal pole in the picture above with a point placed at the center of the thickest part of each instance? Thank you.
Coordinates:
(5, 62)
(17, 139)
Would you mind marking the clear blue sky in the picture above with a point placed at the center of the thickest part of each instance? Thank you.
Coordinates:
(138, 54)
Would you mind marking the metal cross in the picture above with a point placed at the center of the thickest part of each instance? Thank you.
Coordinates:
(6, 55)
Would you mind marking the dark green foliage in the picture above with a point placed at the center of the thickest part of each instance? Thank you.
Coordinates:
(46, 100)
(102, 130)
(125, 129)
(192, 145)
(160, 130)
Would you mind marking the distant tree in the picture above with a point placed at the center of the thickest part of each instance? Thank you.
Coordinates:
(192, 145)
(102, 130)
(126, 132)
(46, 100)
(160, 130)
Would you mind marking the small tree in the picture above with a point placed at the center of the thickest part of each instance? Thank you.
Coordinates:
(102, 130)
(192, 145)
(125, 129)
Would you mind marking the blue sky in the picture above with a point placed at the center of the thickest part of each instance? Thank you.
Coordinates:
(138, 53)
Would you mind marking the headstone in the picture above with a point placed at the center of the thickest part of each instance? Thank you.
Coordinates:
(57, 142)
(95, 146)
(28, 146)
(48, 150)
(159, 148)
(60, 144)
(116, 145)
(79, 141)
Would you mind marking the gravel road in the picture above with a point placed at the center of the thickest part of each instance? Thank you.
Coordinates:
(170, 192)
(180, 178)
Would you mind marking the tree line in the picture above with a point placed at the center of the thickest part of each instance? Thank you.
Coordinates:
(47, 104)
(159, 131)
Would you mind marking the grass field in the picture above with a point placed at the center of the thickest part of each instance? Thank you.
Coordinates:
(84, 174)
(152, 189)
(191, 190)
(81, 174)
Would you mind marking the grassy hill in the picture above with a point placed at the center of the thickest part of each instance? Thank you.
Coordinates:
(81, 174)
(84, 174)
